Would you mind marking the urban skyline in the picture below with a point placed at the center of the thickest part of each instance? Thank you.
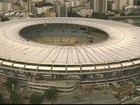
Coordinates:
(62, 8)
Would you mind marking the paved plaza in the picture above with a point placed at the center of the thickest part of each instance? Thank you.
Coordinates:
(97, 98)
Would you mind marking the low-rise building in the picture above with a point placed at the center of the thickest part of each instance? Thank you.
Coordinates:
(132, 10)
(50, 13)
(43, 9)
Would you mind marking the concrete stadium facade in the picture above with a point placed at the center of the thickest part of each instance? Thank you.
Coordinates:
(67, 67)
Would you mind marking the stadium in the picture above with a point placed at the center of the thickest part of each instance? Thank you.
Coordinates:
(67, 53)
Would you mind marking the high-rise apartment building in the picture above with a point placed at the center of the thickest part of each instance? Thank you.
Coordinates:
(61, 10)
(26, 5)
(3, 5)
(2, 8)
(92, 5)
(121, 3)
(136, 2)
(99, 6)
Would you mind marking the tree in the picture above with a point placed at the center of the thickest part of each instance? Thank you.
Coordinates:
(35, 99)
(14, 97)
(11, 81)
(73, 14)
(4, 18)
(99, 15)
(118, 96)
(51, 94)
(1, 99)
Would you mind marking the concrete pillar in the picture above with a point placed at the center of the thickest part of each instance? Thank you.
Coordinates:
(106, 76)
(93, 79)
(80, 79)
(54, 77)
(15, 73)
(130, 73)
(28, 76)
(34, 77)
(91, 76)
(118, 76)
(6, 72)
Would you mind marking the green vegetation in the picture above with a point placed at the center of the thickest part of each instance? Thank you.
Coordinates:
(4, 18)
(1, 99)
(136, 20)
(35, 99)
(73, 14)
(98, 15)
(51, 94)
(131, 14)
(48, 4)
(136, 82)
(118, 96)
(11, 81)
(94, 15)
(14, 97)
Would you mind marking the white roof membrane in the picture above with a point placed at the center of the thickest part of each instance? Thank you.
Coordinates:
(121, 46)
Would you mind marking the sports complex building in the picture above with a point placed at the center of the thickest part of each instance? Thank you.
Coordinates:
(69, 52)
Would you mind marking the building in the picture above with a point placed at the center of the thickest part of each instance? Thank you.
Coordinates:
(3, 5)
(102, 6)
(49, 1)
(74, 3)
(40, 10)
(50, 13)
(99, 6)
(37, 0)
(135, 10)
(120, 4)
(26, 5)
(61, 10)
(137, 2)
(48, 52)
(92, 4)
(10, 6)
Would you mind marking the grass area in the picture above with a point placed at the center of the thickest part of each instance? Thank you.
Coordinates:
(136, 20)
(136, 82)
